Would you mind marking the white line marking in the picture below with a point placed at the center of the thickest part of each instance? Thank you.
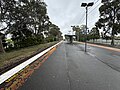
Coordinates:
(16, 69)
(91, 54)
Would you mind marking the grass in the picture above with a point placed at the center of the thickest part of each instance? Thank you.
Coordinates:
(10, 57)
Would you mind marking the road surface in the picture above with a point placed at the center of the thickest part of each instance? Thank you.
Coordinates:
(70, 68)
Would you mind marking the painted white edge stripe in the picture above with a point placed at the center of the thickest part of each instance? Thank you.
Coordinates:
(16, 69)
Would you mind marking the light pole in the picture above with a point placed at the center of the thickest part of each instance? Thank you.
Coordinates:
(73, 27)
(86, 5)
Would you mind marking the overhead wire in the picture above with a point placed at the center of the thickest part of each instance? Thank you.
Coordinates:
(96, 1)
(94, 8)
(83, 16)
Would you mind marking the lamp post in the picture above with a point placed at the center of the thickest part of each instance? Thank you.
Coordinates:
(73, 27)
(86, 5)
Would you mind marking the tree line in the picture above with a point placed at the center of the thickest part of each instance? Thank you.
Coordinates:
(80, 33)
(109, 23)
(109, 20)
(27, 22)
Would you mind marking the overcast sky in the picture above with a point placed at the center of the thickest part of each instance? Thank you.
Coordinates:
(66, 13)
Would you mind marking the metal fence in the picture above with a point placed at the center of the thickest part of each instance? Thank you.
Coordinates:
(103, 41)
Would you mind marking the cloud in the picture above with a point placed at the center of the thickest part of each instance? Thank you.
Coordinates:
(65, 13)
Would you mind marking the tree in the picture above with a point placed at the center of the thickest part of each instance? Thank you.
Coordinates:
(54, 32)
(109, 17)
(94, 34)
(1, 45)
(77, 32)
(27, 22)
(80, 32)
(83, 33)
